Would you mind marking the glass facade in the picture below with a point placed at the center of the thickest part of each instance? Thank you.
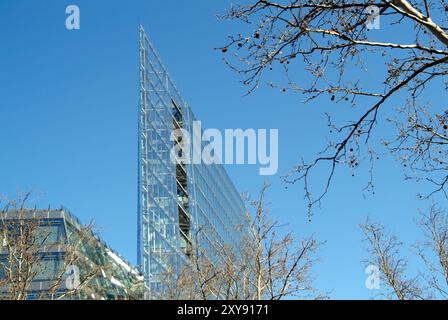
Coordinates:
(176, 198)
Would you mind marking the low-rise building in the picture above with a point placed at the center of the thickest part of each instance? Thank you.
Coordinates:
(50, 255)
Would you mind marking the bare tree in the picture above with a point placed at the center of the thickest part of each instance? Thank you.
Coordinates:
(434, 251)
(266, 263)
(329, 43)
(279, 265)
(385, 252)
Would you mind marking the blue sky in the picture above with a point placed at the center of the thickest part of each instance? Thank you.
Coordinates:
(68, 114)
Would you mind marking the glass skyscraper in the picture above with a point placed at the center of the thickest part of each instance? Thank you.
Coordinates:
(176, 198)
